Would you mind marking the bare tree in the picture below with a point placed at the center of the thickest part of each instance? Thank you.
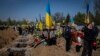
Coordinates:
(97, 11)
(58, 17)
(97, 6)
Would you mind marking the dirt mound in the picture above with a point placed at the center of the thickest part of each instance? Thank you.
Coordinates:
(58, 50)
(7, 36)
(54, 50)
(48, 51)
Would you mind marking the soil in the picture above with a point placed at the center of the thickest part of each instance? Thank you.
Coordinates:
(7, 36)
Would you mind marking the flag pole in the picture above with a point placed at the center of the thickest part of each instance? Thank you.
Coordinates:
(49, 23)
(48, 33)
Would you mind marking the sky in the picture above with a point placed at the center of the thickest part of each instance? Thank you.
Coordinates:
(31, 9)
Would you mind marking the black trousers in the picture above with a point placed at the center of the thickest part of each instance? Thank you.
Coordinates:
(78, 48)
(51, 41)
(87, 48)
(68, 43)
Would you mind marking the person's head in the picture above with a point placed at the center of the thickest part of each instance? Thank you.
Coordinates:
(89, 25)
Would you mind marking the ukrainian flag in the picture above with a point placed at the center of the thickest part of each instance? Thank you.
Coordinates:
(87, 20)
(48, 18)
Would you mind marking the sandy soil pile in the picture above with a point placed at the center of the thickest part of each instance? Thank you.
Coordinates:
(58, 50)
(54, 50)
(7, 36)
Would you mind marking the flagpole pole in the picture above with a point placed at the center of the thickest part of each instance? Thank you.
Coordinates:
(48, 33)
(49, 27)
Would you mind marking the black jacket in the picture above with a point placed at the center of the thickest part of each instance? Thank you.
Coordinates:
(67, 32)
(90, 34)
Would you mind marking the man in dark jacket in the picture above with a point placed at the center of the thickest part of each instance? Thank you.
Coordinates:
(89, 38)
(96, 31)
(67, 36)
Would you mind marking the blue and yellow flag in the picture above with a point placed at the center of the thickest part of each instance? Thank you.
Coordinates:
(48, 18)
